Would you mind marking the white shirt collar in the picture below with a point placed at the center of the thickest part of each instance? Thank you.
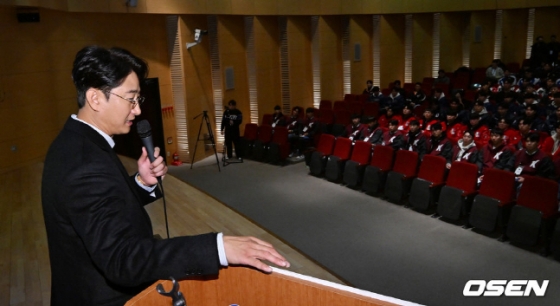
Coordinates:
(107, 137)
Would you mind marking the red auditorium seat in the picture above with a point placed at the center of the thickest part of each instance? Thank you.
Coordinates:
(248, 140)
(470, 94)
(350, 98)
(496, 191)
(335, 162)
(319, 156)
(342, 118)
(371, 109)
(427, 89)
(375, 173)
(261, 144)
(419, 110)
(537, 202)
(526, 62)
(354, 168)
(459, 190)
(356, 108)
(386, 91)
(429, 81)
(479, 75)
(266, 119)
(399, 179)
(326, 117)
(426, 187)
(279, 148)
(408, 87)
(363, 98)
(340, 105)
(513, 67)
(461, 82)
(325, 104)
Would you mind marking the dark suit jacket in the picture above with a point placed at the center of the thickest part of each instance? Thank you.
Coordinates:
(101, 245)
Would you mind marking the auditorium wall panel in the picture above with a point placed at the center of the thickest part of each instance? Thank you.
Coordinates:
(299, 57)
(514, 39)
(422, 46)
(267, 52)
(451, 37)
(36, 92)
(482, 52)
(330, 35)
(547, 22)
(361, 31)
(392, 48)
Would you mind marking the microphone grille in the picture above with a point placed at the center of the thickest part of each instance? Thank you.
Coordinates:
(144, 129)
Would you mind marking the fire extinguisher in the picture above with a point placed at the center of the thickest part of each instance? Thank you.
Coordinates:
(176, 160)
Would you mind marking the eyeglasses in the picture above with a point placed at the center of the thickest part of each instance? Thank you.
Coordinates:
(138, 100)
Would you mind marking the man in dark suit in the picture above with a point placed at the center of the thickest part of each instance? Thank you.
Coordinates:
(101, 245)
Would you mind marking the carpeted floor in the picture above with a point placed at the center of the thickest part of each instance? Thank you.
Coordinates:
(372, 244)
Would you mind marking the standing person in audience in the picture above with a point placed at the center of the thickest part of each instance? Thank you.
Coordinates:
(442, 78)
(553, 50)
(538, 52)
(465, 150)
(294, 127)
(428, 121)
(511, 137)
(393, 137)
(439, 143)
(495, 72)
(309, 129)
(354, 129)
(369, 88)
(496, 154)
(416, 141)
(407, 118)
(373, 132)
(278, 118)
(531, 161)
(230, 127)
(481, 133)
(455, 128)
(395, 100)
(440, 100)
(417, 96)
(388, 117)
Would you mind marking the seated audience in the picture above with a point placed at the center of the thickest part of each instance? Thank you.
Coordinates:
(395, 100)
(373, 132)
(507, 76)
(398, 87)
(309, 128)
(278, 118)
(393, 137)
(553, 117)
(439, 143)
(496, 154)
(481, 133)
(440, 100)
(369, 88)
(354, 129)
(388, 117)
(465, 150)
(442, 78)
(495, 72)
(428, 120)
(455, 128)
(479, 108)
(531, 161)
(416, 141)
(552, 144)
(417, 96)
(511, 137)
(537, 124)
(376, 96)
(407, 118)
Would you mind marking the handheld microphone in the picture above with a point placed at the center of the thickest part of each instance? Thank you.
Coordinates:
(145, 132)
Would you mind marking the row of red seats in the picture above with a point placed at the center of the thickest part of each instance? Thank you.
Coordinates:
(263, 143)
(400, 173)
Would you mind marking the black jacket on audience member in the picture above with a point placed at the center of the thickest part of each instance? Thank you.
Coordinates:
(490, 157)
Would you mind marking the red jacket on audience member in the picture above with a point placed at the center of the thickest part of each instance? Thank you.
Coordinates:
(404, 125)
(455, 132)
(384, 120)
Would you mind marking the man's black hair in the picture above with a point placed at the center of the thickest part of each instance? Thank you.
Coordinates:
(232, 102)
(104, 69)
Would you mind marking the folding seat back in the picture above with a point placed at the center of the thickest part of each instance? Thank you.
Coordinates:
(327, 117)
(431, 177)
(371, 109)
(386, 91)
(513, 67)
(356, 108)
(375, 173)
(261, 144)
(363, 98)
(408, 87)
(496, 190)
(247, 141)
(354, 168)
(341, 119)
(539, 194)
(319, 157)
(428, 80)
(537, 203)
(340, 105)
(349, 98)
(479, 75)
(325, 104)
(279, 148)
(400, 178)
(419, 111)
(459, 190)
(335, 162)
(266, 119)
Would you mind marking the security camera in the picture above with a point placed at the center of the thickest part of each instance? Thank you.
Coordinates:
(197, 37)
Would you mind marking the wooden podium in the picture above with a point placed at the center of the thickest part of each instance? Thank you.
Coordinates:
(248, 287)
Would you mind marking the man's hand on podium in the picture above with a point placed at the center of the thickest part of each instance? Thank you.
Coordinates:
(249, 251)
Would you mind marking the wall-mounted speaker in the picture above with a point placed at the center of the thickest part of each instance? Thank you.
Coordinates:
(28, 15)
(230, 78)
(477, 34)
(357, 52)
